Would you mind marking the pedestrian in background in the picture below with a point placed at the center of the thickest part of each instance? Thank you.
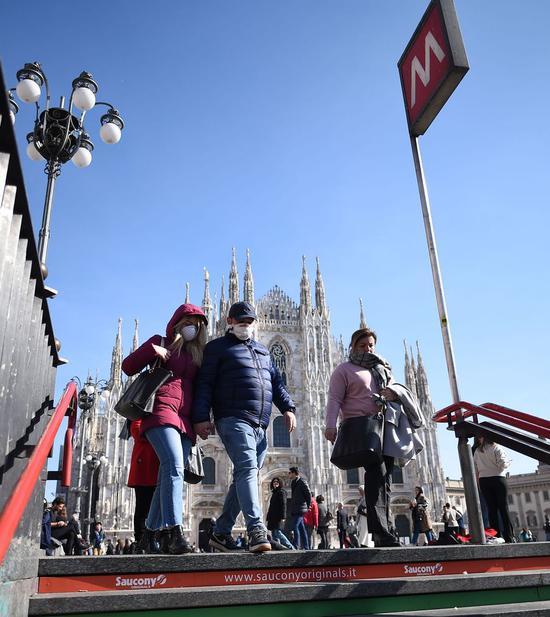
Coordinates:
(491, 463)
(324, 521)
(311, 521)
(143, 478)
(276, 513)
(420, 511)
(342, 522)
(300, 501)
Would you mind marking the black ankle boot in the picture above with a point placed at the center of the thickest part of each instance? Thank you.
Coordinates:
(164, 539)
(178, 544)
(147, 544)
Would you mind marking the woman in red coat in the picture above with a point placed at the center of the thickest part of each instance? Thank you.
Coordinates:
(168, 429)
(144, 471)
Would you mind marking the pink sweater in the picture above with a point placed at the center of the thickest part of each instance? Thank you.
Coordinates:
(350, 393)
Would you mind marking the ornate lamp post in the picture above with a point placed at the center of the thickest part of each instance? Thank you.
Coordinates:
(86, 402)
(93, 462)
(59, 135)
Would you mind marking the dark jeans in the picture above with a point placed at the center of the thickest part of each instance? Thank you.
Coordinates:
(144, 496)
(342, 537)
(323, 534)
(65, 533)
(495, 493)
(377, 497)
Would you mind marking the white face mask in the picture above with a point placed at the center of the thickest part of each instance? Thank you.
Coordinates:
(188, 332)
(243, 331)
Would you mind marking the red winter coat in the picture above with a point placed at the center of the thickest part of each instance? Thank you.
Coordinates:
(144, 465)
(311, 517)
(173, 400)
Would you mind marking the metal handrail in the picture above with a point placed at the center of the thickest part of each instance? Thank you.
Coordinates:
(517, 419)
(18, 500)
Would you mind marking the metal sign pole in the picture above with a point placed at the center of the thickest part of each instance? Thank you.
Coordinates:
(475, 520)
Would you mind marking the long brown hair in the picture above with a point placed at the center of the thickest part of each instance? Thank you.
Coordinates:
(194, 347)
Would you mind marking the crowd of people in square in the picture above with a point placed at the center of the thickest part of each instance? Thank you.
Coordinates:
(228, 386)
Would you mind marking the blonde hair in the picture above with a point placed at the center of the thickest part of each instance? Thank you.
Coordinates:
(194, 347)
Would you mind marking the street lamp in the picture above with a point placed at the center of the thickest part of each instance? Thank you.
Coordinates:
(59, 135)
(93, 462)
(86, 401)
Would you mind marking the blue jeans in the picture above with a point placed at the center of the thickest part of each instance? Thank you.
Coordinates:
(429, 535)
(172, 448)
(246, 447)
(300, 532)
(278, 535)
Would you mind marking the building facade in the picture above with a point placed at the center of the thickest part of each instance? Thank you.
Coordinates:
(299, 338)
(529, 500)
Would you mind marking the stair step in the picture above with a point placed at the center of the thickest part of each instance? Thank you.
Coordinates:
(324, 599)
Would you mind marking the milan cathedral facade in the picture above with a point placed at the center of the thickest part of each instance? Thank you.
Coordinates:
(303, 348)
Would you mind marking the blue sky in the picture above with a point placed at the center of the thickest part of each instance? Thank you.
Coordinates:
(280, 127)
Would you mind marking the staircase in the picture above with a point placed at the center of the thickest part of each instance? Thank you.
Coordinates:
(478, 580)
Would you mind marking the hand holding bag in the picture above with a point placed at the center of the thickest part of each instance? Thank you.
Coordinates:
(359, 442)
(136, 402)
(194, 470)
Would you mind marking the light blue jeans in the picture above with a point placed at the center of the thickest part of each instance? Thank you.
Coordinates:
(278, 535)
(246, 447)
(172, 448)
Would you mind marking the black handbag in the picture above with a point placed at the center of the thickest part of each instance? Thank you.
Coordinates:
(359, 442)
(136, 402)
(194, 470)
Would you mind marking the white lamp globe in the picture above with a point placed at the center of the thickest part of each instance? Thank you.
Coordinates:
(110, 133)
(12, 117)
(32, 152)
(28, 91)
(82, 157)
(84, 98)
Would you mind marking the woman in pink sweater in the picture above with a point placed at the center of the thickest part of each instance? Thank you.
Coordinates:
(353, 391)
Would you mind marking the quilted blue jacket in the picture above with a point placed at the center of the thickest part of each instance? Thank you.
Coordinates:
(237, 379)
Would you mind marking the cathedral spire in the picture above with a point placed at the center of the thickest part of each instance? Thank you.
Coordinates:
(422, 381)
(362, 320)
(320, 300)
(248, 290)
(305, 291)
(410, 373)
(206, 301)
(222, 298)
(233, 280)
(116, 359)
(135, 342)
(187, 293)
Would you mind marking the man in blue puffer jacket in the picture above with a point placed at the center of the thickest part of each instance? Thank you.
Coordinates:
(239, 383)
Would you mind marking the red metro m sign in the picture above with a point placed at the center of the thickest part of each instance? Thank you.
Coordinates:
(432, 65)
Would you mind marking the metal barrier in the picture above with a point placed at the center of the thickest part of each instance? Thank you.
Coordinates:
(456, 416)
(17, 501)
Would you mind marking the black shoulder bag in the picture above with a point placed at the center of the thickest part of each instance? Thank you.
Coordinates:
(359, 442)
(136, 402)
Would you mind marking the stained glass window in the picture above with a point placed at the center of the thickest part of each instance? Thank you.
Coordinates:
(209, 465)
(281, 436)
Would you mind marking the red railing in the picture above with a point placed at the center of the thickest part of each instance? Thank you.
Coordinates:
(518, 419)
(17, 502)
